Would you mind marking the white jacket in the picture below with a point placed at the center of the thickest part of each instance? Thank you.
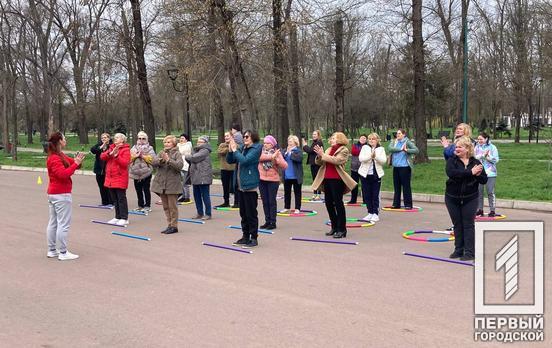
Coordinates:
(366, 161)
(185, 149)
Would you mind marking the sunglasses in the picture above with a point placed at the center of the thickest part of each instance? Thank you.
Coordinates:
(246, 136)
(141, 138)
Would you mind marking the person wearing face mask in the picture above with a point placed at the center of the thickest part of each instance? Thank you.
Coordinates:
(99, 166)
(401, 151)
(355, 165)
(293, 175)
(226, 172)
(465, 174)
(487, 154)
(311, 157)
(334, 181)
(168, 181)
(201, 175)
(372, 157)
(246, 158)
(141, 170)
(117, 160)
(271, 163)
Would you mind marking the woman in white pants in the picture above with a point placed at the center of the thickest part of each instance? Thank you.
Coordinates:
(60, 168)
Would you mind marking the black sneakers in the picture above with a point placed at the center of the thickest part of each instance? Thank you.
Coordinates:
(171, 230)
(456, 254)
(479, 212)
(264, 226)
(492, 214)
(241, 241)
(467, 257)
(252, 243)
(223, 205)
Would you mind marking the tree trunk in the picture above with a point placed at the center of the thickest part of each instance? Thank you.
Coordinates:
(279, 71)
(419, 82)
(294, 58)
(216, 91)
(5, 116)
(149, 122)
(132, 100)
(339, 88)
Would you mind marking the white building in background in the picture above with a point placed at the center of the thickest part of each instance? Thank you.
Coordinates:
(545, 119)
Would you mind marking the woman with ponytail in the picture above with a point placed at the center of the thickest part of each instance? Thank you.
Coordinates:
(60, 168)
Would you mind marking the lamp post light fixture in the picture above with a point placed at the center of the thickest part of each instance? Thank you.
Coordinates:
(173, 75)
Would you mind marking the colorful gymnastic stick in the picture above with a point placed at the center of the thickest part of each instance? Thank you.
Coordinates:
(435, 258)
(227, 248)
(130, 235)
(106, 223)
(323, 241)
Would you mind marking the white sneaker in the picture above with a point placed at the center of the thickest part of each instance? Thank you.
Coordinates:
(52, 254)
(285, 211)
(67, 256)
(375, 218)
(113, 221)
(122, 222)
(368, 217)
(297, 211)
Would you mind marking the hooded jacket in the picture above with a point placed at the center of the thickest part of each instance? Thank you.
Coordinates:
(462, 184)
(247, 159)
(201, 170)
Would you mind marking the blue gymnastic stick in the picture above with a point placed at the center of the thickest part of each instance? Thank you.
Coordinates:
(323, 241)
(137, 213)
(130, 235)
(95, 206)
(227, 248)
(260, 229)
(192, 221)
(435, 258)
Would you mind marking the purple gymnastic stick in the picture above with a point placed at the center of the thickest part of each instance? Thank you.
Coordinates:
(438, 259)
(227, 248)
(95, 206)
(323, 241)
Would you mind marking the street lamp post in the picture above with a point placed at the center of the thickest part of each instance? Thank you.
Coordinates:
(465, 74)
(541, 80)
(173, 75)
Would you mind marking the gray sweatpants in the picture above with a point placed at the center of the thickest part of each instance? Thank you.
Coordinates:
(60, 220)
(490, 193)
(185, 188)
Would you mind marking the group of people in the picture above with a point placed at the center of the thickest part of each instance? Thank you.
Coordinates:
(247, 167)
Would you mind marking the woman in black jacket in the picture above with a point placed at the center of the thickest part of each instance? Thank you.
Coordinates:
(99, 166)
(465, 175)
(311, 156)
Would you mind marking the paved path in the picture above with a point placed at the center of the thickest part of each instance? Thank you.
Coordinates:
(174, 292)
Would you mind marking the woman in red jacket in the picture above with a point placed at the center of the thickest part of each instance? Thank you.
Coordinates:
(117, 160)
(60, 168)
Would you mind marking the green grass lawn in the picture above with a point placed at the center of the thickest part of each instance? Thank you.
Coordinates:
(521, 175)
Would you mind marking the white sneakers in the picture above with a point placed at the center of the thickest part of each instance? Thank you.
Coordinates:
(52, 253)
(67, 256)
(115, 221)
(122, 222)
(371, 218)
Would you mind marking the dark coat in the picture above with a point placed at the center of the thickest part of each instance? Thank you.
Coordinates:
(311, 155)
(247, 159)
(462, 184)
(99, 165)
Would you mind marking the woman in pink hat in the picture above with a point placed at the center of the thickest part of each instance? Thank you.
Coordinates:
(270, 164)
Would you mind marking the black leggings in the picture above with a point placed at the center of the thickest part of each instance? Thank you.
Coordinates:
(227, 178)
(333, 198)
(288, 183)
(143, 192)
(314, 172)
(462, 214)
(118, 196)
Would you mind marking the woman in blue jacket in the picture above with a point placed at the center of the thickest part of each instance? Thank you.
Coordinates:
(246, 157)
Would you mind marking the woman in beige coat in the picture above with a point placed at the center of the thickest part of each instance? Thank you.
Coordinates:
(334, 181)
(168, 181)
